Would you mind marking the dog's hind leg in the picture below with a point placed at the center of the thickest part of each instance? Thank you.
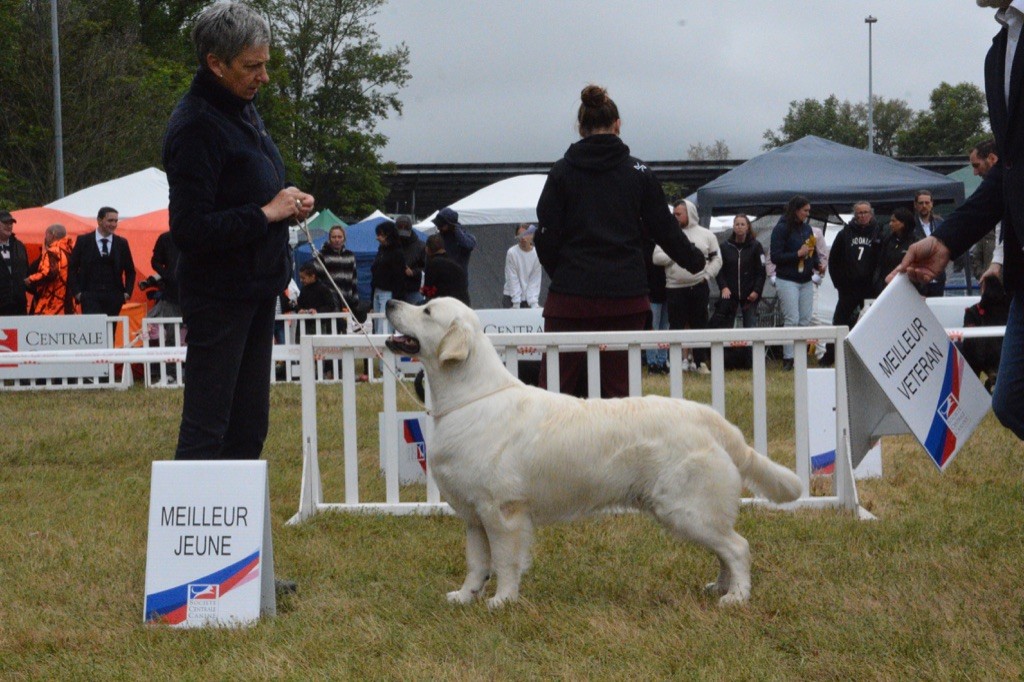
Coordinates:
(510, 534)
(701, 506)
(478, 564)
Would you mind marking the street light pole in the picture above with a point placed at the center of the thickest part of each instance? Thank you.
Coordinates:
(58, 132)
(870, 20)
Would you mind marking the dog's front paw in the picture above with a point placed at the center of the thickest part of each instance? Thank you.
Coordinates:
(714, 588)
(460, 597)
(498, 602)
(733, 599)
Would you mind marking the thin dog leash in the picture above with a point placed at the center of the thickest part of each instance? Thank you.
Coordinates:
(304, 226)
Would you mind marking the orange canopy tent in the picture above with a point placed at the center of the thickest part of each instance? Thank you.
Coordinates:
(140, 231)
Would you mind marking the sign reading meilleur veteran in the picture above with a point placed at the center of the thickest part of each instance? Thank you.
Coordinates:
(210, 559)
(924, 376)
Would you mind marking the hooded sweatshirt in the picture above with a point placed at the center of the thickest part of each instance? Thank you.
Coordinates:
(597, 206)
(677, 277)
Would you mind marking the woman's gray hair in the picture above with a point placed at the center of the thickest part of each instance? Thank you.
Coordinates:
(227, 28)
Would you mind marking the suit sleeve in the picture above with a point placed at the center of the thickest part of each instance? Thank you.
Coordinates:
(74, 266)
(976, 217)
(128, 265)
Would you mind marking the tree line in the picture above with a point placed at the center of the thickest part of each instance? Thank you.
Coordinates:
(125, 64)
(956, 120)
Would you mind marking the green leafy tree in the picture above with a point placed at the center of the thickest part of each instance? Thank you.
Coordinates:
(844, 122)
(336, 82)
(956, 120)
(829, 119)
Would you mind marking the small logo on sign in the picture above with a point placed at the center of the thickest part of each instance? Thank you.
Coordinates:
(202, 601)
(948, 408)
(8, 343)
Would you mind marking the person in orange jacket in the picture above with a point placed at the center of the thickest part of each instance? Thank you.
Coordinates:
(50, 281)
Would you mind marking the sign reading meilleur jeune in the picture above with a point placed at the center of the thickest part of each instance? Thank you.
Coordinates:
(926, 379)
(210, 558)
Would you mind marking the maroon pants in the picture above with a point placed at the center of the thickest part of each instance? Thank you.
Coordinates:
(572, 367)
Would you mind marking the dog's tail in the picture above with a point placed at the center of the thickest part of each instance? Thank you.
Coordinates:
(760, 474)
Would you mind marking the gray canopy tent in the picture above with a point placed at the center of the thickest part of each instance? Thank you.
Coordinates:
(831, 175)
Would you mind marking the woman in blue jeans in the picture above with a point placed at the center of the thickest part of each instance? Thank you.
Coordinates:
(796, 260)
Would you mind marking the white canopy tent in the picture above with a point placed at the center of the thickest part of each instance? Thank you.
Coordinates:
(509, 201)
(491, 215)
(132, 195)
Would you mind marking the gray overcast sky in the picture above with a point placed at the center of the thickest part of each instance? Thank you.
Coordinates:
(499, 80)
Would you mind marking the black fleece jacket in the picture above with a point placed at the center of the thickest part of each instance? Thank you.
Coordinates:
(596, 209)
(222, 167)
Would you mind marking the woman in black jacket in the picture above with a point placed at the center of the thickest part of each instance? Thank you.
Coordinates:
(230, 205)
(894, 247)
(594, 213)
(741, 279)
(387, 274)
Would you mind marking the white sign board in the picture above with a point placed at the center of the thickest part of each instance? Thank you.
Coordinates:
(821, 404)
(27, 333)
(411, 444)
(210, 559)
(906, 351)
(513, 321)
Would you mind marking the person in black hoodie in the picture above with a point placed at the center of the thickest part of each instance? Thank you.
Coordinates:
(387, 273)
(230, 206)
(442, 276)
(596, 209)
(741, 279)
(853, 262)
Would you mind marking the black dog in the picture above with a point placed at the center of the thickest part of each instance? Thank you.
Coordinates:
(991, 311)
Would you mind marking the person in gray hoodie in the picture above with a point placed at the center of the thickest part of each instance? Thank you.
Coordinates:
(687, 292)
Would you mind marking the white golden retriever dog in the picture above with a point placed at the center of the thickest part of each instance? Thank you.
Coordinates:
(509, 457)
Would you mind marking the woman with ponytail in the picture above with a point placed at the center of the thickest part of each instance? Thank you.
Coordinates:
(598, 206)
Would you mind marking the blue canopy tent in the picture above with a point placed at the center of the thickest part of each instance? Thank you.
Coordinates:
(361, 239)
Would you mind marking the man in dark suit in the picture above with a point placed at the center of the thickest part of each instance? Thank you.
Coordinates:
(999, 197)
(101, 272)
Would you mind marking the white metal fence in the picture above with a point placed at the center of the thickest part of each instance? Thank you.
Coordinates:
(348, 350)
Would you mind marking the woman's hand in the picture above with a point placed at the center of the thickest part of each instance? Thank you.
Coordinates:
(803, 251)
(290, 202)
(726, 293)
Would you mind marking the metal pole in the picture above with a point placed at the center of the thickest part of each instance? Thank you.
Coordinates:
(58, 132)
(870, 20)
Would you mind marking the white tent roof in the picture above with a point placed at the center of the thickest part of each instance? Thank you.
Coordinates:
(133, 195)
(513, 200)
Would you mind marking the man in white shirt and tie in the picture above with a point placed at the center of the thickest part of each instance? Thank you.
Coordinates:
(1000, 197)
(101, 273)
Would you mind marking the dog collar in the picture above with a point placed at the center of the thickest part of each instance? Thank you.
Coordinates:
(445, 413)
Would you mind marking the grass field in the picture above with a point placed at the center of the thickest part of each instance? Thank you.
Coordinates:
(932, 590)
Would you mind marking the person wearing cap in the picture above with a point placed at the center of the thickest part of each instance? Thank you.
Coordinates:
(13, 268)
(522, 271)
(458, 243)
(415, 255)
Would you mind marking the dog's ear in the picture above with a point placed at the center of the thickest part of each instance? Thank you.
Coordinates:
(454, 346)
